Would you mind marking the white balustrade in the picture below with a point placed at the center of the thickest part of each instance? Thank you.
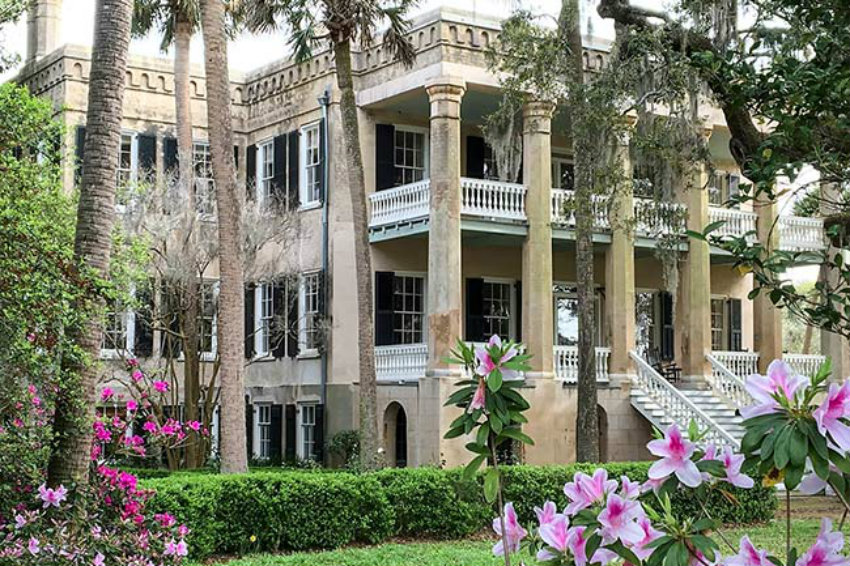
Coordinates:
(740, 364)
(400, 204)
(736, 222)
(659, 218)
(727, 384)
(566, 363)
(401, 362)
(675, 404)
(800, 233)
(804, 364)
(492, 199)
(563, 210)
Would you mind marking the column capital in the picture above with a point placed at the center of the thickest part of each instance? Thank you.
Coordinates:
(537, 116)
(445, 88)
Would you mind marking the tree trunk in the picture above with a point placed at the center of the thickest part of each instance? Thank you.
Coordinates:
(231, 333)
(76, 399)
(192, 290)
(587, 424)
(369, 442)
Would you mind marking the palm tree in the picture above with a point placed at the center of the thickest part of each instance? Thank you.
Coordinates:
(343, 22)
(231, 333)
(76, 399)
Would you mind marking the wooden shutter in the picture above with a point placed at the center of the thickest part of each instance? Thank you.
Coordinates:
(518, 310)
(279, 328)
(475, 310)
(169, 156)
(249, 428)
(147, 156)
(143, 334)
(279, 188)
(667, 331)
(293, 166)
(251, 172)
(475, 157)
(236, 158)
(734, 317)
(290, 425)
(384, 281)
(293, 330)
(384, 156)
(322, 157)
(276, 436)
(319, 446)
(80, 146)
(249, 320)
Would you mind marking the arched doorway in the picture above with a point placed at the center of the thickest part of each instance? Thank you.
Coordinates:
(395, 435)
(602, 421)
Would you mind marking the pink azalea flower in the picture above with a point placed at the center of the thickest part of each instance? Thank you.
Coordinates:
(547, 513)
(649, 534)
(514, 533)
(182, 530)
(827, 549)
(478, 400)
(133, 362)
(137, 375)
(829, 415)
(619, 521)
(485, 365)
(170, 548)
(165, 519)
(675, 453)
(732, 464)
(555, 534)
(52, 497)
(36, 401)
(98, 560)
(160, 386)
(585, 490)
(20, 521)
(132, 405)
(182, 548)
(631, 489)
(194, 425)
(150, 426)
(127, 481)
(748, 555)
(812, 484)
(780, 379)
(106, 394)
(33, 546)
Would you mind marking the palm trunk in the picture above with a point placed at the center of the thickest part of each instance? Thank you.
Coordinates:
(183, 113)
(76, 399)
(363, 260)
(587, 424)
(231, 334)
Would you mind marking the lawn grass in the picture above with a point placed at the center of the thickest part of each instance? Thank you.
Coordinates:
(477, 552)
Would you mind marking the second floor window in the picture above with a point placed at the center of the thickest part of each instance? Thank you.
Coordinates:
(409, 156)
(265, 172)
(204, 185)
(114, 337)
(311, 161)
(265, 318)
(563, 174)
(207, 317)
(310, 330)
(127, 161)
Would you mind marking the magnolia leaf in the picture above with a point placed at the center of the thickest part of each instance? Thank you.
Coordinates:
(517, 434)
(491, 484)
(494, 381)
(472, 467)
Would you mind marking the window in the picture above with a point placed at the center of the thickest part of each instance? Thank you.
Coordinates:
(645, 323)
(311, 332)
(118, 330)
(265, 172)
(408, 309)
(204, 185)
(563, 174)
(497, 308)
(264, 432)
(566, 316)
(308, 432)
(723, 186)
(264, 316)
(410, 156)
(311, 163)
(207, 318)
(127, 161)
(491, 170)
(718, 324)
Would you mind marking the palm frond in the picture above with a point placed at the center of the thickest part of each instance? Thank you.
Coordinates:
(395, 38)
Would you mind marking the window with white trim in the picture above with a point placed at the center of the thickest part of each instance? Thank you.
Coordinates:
(491, 167)
(646, 319)
(410, 156)
(723, 186)
(264, 309)
(718, 324)
(127, 160)
(264, 431)
(204, 184)
(566, 316)
(208, 318)
(118, 330)
(307, 447)
(310, 303)
(497, 308)
(408, 309)
(563, 173)
(265, 172)
(311, 162)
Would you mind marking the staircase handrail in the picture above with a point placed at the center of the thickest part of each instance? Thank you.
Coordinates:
(726, 383)
(660, 390)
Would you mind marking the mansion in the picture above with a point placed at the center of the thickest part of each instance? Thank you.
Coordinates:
(455, 251)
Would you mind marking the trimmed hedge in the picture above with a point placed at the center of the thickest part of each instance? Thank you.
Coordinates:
(295, 510)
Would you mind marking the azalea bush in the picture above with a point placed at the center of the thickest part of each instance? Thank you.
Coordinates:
(795, 424)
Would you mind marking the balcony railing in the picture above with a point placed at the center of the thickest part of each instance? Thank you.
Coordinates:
(566, 363)
(563, 210)
(799, 233)
(659, 218)
(737, 222)
(741, 364)
(400, 204)
(492, 199)
(804, 364)
(401, 362)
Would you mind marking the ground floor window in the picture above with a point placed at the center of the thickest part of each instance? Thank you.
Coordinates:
(497, 308)
(308, 432)
(264, 432)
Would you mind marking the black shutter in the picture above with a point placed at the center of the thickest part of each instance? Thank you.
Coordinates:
(667, 332)
(384, 281)
(251, 172)
(734, 306)
(289, 452)
(384, 156)
(143, 323)
(276, 430)
(80, 154)
(518, 310)
(292, 330)
(319, 446)
(475, 310)
(280, 328)
(236, 157)
(249, 320)
(169, 156)
(475, 157)
(322, 157)
(249, 428)
(279, 189)
(292, 165)
(147, 156)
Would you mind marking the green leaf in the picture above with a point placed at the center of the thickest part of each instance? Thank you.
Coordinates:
(624, 552)
(781, 448)
(798, 447)
(491, 484)
(472, 467)
(454, 432)
(517, 434)
(477, 448)
(494, 381)
(793, 475)
(483, 433)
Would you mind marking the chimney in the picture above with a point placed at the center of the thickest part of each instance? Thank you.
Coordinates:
(43, 19)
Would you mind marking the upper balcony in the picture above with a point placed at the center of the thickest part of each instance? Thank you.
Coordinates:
(796, 233)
